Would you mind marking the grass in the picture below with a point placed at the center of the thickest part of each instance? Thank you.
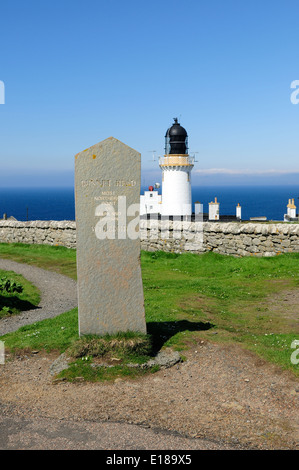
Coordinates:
(86, 371)
(187, 298)
(52, 334)
(53, 258)
(122, 346)
(91, 356)
(13, 304)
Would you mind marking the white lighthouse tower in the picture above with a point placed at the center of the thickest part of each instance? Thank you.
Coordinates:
(176, 166)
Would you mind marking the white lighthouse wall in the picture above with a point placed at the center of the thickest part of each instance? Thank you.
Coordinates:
(176, 191)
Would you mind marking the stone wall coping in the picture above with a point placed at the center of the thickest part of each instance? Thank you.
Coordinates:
(44, 224)
(221, 227)
(224, 227)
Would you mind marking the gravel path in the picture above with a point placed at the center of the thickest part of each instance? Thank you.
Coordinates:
(58, 295)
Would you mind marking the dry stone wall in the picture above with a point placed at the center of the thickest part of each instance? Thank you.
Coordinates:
(61, 233)
(237, 239)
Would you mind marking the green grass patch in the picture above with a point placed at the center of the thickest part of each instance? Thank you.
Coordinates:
(51, 334)
(61, 334)
(90, 373)
(53, 258)
(12, 303)
(187, 298)
(219, 298)
(276, 348)
(108, 357)
(125, 346)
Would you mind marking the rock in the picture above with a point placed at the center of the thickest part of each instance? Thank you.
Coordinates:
(60, 364)
(165, 358)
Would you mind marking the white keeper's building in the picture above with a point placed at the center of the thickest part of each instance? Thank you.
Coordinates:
(150, 202)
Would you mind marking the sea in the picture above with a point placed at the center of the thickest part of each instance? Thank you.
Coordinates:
(59, 203)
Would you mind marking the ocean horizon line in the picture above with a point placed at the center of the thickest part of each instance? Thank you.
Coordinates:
(146, 186)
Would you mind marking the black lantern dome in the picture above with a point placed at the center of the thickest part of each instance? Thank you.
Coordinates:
(176, 140)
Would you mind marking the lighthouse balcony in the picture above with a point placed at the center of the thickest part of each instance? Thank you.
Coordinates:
(176, 160)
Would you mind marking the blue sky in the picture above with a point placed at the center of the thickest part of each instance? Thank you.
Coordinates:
(77, 72)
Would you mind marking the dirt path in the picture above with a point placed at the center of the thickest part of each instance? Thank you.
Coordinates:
(221, 397)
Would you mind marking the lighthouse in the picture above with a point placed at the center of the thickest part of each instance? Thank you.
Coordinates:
(176, 166)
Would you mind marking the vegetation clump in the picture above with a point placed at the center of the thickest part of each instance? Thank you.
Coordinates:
(10, 286)
(16, 294)
(122, 344)
(109, 357)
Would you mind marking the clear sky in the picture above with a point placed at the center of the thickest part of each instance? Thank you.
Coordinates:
(79, 71)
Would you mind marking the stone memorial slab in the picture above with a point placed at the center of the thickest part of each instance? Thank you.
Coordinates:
(107, 200)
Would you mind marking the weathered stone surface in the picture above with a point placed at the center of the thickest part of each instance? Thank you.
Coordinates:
(110, 291)
(60, 364)
(164, 359)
